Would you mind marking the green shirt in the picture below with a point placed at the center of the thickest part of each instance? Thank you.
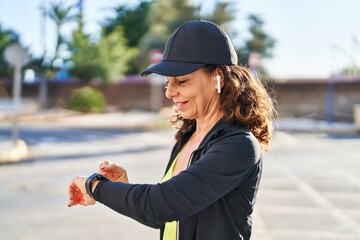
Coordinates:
(170, 227)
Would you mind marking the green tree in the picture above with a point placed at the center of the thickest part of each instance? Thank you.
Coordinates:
(7, 37)
(133, 21)
(114, 54)
(260, 42)
(84, 57)
(106, 59)
(61, 14)
(351, 70)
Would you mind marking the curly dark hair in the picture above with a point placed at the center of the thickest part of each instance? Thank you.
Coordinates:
(244, 98)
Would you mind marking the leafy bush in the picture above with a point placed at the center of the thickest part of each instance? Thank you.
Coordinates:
(87, 99)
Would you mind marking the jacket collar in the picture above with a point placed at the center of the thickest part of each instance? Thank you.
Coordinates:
(220, 126)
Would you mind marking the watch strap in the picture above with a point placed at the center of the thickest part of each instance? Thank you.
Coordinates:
(88, 182)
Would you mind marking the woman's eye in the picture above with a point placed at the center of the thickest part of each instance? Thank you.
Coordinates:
(178, 82)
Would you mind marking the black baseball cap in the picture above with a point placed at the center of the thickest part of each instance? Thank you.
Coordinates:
(192, 46)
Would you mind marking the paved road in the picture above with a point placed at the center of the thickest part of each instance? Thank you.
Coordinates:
(310, 188)
(58, 143)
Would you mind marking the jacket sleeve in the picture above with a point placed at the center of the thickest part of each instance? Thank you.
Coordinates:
(224, 166)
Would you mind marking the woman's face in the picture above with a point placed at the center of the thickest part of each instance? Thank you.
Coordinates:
(194, 95)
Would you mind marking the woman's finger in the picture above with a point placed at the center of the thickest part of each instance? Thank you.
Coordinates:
(113, 167)
(74, 197)
(104, 163)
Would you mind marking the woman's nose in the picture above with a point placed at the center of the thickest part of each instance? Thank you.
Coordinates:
(170, 90)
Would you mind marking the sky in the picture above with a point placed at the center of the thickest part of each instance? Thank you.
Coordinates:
(314, 38)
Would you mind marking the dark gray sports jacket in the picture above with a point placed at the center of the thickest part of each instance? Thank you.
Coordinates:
(212, 199)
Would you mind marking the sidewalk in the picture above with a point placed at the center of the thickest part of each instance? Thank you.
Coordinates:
(141, 119)
(14, 152)
(66, 118)
(138, 119)
(315, 126)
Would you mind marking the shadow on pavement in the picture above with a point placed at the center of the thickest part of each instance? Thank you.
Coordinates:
(87, 155)
(344, 136)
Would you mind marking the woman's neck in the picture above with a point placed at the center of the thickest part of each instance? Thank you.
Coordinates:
(204, 125)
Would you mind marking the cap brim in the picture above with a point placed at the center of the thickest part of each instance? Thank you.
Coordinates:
(167, 68)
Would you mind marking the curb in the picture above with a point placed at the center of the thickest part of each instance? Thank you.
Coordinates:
(13, 152)
(315, 126)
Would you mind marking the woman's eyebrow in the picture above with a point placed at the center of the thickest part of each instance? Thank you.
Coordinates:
(174, 78)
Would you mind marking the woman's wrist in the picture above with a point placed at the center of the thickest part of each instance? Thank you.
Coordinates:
(93, 185)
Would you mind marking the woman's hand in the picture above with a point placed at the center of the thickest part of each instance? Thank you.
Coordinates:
(113, 172)
(77, 193)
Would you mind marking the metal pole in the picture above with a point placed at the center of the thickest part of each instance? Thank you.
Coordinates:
(17, 57)
(157, 92)
(43, 84)
(330, 101)
(16, 102)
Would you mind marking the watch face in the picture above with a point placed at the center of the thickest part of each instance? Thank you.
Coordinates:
(100, 177)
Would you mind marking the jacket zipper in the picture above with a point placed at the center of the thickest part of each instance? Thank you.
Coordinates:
(177, 230)
(190, 159)
(178, 222)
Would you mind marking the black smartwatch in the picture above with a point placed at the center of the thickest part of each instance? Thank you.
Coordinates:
(88, 183)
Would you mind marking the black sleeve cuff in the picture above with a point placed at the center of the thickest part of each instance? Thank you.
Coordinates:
(96, 193)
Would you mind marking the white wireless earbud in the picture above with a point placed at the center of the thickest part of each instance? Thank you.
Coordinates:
(218, 81)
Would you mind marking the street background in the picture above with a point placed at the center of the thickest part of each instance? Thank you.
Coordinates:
(71, 97)
(310, 187)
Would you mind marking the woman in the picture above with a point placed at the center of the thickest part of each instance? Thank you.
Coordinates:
(225, 118)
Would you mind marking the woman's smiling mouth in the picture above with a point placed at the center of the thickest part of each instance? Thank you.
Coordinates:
(180, 105)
